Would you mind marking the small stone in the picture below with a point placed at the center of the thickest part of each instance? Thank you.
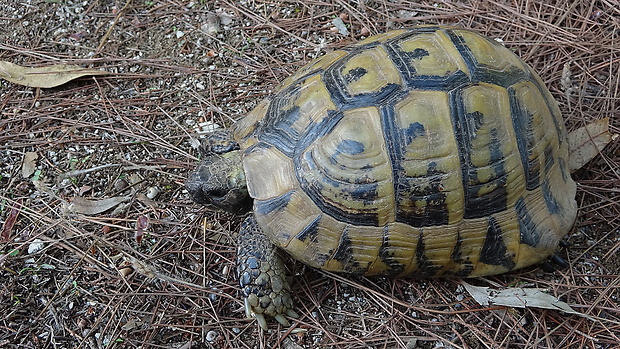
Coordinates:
(211, 336)
(120, 184)
(35, 246)
(212, 24)
(152, 192)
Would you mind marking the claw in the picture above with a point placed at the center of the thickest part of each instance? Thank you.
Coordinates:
(292, 313)
(282, 320)
(248, 308)
(260, 318)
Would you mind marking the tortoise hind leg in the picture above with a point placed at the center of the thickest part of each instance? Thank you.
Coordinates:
(262, 276)
(554, 263)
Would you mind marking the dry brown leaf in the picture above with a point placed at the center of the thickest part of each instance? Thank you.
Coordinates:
(587, 142)
(46, 77)
(30, 164)
(517, 297)
(7, 227)
(90, 206)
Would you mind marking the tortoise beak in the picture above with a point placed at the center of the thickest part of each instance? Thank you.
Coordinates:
(220, 197)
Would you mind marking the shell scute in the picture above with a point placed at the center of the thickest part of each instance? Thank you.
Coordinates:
(429, 60)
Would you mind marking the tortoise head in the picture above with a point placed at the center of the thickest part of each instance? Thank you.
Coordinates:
(219, 179)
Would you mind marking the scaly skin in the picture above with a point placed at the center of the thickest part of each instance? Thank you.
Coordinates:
(262, 276)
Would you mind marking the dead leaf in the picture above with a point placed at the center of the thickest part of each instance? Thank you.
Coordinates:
(479, 293)
(132, 324)
(517, 297)
(587, 142)
(46, 77)
(141, 224)
(84, 189)
(7, 227)
(90, 206)
(29, 165)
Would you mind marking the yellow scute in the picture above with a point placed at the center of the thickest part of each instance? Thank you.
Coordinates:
(258, 162)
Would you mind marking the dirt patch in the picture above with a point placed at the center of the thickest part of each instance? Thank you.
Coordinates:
(157, 270)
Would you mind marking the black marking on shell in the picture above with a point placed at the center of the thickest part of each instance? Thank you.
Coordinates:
(336, 83)
(424, 29)
(418, 53)
(387, 257)
(464, 50)
(355, 74)
(456, 251)
(394, 145)
(528, 232)
(494, 250)
(366, 192)
(307, 171)
(480, 72)
(457, 256)
(460, 134)
(479, 205)
(563, 169)
(412, 79)
(266, 207)
(435, 210)
(465, 126)
(468, 268)
(344, 251)
(310, 231)
(552, 203)
(414, 131)
(497, 155)
(349, 146)
(522, 122)
(317, 130)
(321, 258)
(557, 119)
(276, 127)
(474, 122)
(425, 268)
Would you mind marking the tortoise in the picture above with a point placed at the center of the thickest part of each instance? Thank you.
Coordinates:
(429, 152)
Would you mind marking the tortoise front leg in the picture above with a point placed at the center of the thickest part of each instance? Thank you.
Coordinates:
(265, 288)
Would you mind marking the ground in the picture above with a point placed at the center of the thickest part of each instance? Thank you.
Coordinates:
(148, 268)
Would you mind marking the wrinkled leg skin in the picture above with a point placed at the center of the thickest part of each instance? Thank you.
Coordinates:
(262, 276)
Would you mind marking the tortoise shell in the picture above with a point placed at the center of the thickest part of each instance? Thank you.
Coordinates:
(432, 152)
